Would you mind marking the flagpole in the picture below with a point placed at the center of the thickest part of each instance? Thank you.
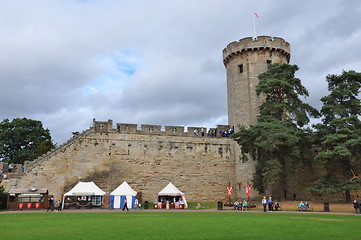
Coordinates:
(254, 27)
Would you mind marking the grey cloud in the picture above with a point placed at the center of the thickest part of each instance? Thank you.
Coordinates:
(52, 52)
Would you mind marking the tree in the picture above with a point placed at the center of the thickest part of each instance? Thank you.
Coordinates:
(43, 147)
(340, 134)
(20, 138)
(277, 140)
(3, 197)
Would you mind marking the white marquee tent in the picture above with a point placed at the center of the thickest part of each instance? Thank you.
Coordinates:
(171, 191)
(89, 190)
(117, 197)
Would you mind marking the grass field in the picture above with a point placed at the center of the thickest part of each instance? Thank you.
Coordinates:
(178, 225)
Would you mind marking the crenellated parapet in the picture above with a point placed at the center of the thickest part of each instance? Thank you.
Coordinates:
(174, 130)
(261, 43)
(102, 127)
(148, 129)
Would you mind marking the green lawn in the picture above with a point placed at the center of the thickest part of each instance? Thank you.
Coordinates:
(178, 225)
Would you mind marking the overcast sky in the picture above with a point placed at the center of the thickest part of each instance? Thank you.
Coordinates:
(65, 62)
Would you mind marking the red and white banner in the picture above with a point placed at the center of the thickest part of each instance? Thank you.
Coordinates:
(229, 191)
(248, 190)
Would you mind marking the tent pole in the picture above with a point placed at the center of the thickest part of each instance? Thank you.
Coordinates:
(62, 204)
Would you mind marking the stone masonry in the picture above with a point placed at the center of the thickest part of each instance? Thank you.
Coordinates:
(244, 61)
(147, 159)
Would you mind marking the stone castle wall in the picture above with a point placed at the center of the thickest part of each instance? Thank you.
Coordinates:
(202, 167)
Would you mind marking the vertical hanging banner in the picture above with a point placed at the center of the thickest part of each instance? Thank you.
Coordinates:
(229, 191)
(248, 190)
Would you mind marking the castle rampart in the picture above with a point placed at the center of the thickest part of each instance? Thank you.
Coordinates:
(261, 43)
(147, 129)
(202, 166)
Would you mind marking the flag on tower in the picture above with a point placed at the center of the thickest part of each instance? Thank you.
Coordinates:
(255, 15)
(248, 190)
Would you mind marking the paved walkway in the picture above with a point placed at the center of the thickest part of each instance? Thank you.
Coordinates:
(99, 210)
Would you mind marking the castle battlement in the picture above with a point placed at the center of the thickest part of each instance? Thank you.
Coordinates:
(249, 44)
(147, 129)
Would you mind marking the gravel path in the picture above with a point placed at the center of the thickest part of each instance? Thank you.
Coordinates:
(171, 210)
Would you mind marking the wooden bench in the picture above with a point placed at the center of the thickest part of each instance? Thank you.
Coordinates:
(87, 205)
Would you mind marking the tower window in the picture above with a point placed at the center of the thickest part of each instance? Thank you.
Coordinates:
(269, 62)
(240, 68)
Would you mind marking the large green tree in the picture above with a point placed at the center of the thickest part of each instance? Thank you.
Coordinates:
(277, 141)
(3, 197)
(340, 134)
(20, 140)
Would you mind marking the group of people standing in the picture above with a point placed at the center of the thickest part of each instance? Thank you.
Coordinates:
(212, 132)
(271, 205)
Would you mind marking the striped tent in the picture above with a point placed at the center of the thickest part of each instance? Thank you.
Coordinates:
(122, 192)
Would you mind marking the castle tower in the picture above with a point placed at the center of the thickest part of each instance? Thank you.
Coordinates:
(244, 61)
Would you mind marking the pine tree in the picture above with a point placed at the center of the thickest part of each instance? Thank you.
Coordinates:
(277, 141)
(340, 134)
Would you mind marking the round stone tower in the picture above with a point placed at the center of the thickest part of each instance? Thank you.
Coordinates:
(244, 61)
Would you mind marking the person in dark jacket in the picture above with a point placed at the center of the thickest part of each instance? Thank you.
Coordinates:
(356, 205)
(270, 204)
(125, 205)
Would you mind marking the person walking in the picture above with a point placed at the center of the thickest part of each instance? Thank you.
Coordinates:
(56, 206)
(356, 205)
(125, 205)
(59, 205)
(51, 204)
(270, 204)
(264, 203)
